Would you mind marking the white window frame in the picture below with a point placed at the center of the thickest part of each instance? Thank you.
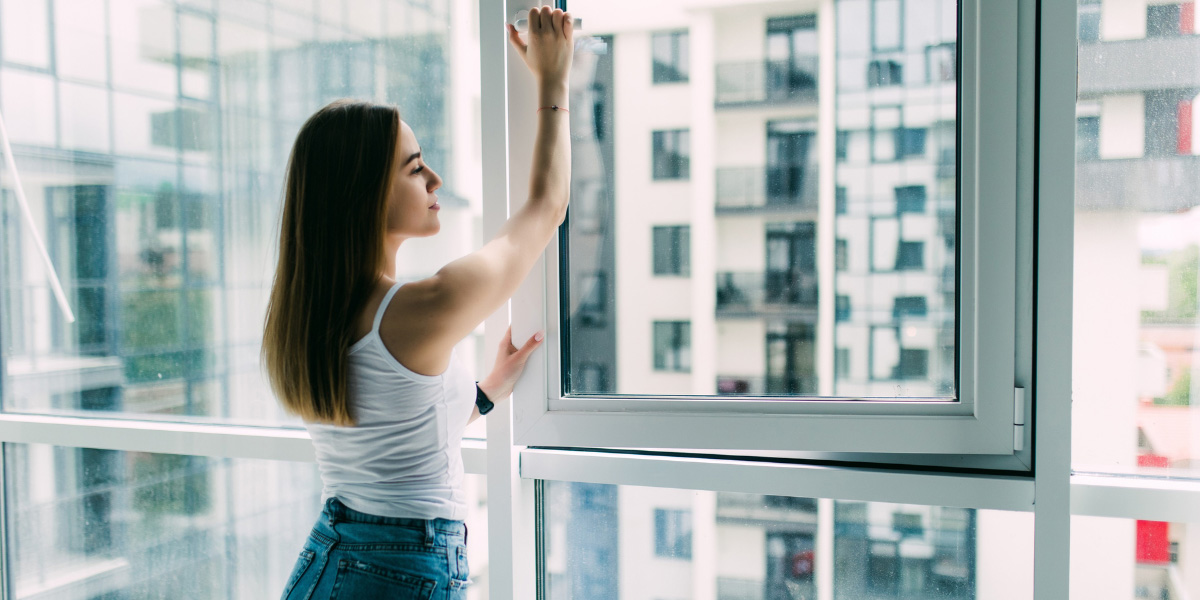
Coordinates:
(1053, 494)
(984, 419)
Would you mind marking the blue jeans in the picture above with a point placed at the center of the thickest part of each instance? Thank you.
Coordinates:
(353, 555)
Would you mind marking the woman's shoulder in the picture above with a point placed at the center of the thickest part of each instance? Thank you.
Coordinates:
(406, 331)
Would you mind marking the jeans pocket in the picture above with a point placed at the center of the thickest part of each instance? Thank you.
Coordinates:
(463, 570)
(302, 564)
(357, 579)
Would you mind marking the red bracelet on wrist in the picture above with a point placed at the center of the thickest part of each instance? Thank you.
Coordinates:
(554, 108)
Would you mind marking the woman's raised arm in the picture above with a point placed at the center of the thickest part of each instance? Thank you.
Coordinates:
(438, 312)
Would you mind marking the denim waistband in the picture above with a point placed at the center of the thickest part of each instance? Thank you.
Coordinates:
(336, 512)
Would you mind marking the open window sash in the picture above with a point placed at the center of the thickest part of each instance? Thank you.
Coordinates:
(986, 417)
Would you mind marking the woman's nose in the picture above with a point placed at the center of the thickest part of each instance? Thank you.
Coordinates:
(435, 181)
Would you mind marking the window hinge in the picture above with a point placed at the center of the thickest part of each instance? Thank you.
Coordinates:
(1018, 419)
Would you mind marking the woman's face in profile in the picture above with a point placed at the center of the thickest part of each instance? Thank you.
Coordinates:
(412, 203)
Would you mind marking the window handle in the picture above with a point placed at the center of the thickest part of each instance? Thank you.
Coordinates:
(55, 284)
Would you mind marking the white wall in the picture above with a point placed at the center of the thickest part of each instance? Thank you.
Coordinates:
(643, 575)
(741, 347)
(1123, 20)
(1122, 126)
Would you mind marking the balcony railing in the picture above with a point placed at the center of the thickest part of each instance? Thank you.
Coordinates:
(773, 292)
(732, 588)
(789, 188)
(1150, 184)
(767, 82)
(770, 385)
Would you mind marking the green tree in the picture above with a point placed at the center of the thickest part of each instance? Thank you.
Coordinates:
(1181, 392)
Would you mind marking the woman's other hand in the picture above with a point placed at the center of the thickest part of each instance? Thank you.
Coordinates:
(551, 45)
(510, 363)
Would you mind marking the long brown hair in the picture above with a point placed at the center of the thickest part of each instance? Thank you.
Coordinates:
(330, 254)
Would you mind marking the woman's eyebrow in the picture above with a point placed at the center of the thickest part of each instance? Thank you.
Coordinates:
(411, 158)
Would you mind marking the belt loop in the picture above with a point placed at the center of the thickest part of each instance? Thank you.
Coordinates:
(430, 533)
(331, 510)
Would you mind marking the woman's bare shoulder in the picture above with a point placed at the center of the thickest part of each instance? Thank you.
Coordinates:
(406, 328)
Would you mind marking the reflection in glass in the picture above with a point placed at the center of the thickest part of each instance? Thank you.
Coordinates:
(1139, 560)
(637, 543)
(1137, 239)
(153, 148)
(743, 178)
(86, 523)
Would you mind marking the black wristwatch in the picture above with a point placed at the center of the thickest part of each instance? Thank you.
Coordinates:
(481, 400)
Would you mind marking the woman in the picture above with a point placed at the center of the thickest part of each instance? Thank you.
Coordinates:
(368, 363)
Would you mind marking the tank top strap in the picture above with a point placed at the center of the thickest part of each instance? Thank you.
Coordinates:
(387, 299)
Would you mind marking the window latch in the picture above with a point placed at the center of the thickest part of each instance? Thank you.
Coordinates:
(1018, 419)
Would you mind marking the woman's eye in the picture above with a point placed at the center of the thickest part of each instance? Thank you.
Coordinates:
(418, 170)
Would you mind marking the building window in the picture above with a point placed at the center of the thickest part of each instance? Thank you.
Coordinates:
(910, 199)
(908, 306)
(841, 308)
(673, 346)
(882, 73)
(791, 359)
(839, 200)
(914, 364)
(841, 363)
(590, 378)
(1165, 20)
(673, 533)
(941, 62)
(1087, 138)
(672, 250)
(910, 142)
(840, 259)
(887, 20)
(593, 300)
(669, 52)
(842, 145)
(910, 256)
(1089, 21)
(672, 156)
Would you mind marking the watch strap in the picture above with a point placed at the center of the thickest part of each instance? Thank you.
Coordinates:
(482, 402)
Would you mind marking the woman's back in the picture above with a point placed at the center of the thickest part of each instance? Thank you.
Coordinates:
(403, 456)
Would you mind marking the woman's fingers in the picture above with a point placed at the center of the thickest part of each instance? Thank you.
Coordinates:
(534, 341)
(535, 19)
(514, 37)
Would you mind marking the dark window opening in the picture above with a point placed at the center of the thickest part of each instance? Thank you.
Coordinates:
(669, 53)
(672, 250)
(672, 154)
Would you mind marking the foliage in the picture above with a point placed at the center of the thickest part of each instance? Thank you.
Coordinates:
(1182, 267)
(1180, 393)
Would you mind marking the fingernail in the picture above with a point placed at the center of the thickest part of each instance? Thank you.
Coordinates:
(538, 336)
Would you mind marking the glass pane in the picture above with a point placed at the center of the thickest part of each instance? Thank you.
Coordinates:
(1138, 560)
(86, 523)
(25, 31)
(607, 541)
(763, 263)
(1137, 243)
(154, 172)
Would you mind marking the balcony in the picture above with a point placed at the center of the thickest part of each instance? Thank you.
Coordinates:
(767, 82)
(766, 189)
(1151, 184)
(780, 511)
(770, 385)
(1138, 65)
(781, 293)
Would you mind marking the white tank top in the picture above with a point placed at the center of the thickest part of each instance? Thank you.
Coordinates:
(404, 456)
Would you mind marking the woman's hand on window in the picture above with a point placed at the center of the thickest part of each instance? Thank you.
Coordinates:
(510, 363)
